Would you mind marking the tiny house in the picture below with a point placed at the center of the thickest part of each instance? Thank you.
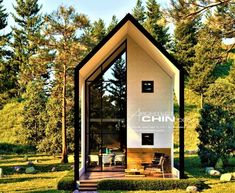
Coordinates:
(124, 104)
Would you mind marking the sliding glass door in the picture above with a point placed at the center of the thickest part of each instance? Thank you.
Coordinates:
(106, 116)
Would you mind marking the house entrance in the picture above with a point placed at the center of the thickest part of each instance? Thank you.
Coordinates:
(106, 115)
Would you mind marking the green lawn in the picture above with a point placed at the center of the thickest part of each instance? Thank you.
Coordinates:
(43, 181)
(194, 169)
(46, 181)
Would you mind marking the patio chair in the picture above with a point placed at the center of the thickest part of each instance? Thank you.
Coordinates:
(107, 159)
(94, 159)
(156, 167)
(119, 158)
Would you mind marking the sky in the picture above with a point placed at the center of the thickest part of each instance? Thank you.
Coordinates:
(94, 9)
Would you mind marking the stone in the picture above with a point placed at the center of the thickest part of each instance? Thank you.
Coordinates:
(233, 176)
(30, 170)
(207, 169)
(17, 168)
(53, 169)
(1, 173)
(191, 189)
(214, 173)
(226, 177)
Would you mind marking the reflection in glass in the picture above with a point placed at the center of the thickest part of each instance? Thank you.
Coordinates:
(106, 126)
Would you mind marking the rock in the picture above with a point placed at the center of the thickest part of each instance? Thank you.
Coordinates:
(17, 168)
(53, 169)
(191, 189)
(207, 169)
(30, 170)
(226, 177)
(214, 173)
(233, 176)
(1, 173)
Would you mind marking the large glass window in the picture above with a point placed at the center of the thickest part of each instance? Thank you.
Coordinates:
(106, 116)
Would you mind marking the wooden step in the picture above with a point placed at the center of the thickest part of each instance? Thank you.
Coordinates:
(85, 181)
(88, 185)
(87, 189)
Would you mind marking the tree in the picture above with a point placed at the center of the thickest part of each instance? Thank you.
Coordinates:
(185, 34)
(60, 32)
(113, 24)
(25, 41)
(93, 34)
(224, 16)
(7, 71)
(216, 136)
(222, 93)
(117, 90)
(156, 24)
(34, 112)
(208, 56)
(139, 12)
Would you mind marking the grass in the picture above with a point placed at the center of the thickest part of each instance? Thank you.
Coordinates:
(44, 181)
(194, 169)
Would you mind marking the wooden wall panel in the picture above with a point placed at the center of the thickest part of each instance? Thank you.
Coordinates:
(136, 156)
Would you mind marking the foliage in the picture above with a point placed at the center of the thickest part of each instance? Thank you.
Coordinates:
(215, 132)
(7, 73)
(11, 130)
(7, 148)
(60, 30)
(155, 23)
(112, 24)
(208, 55)
(222, 93)
(139, 12)
(147, 184)
(25, 41)
(94, 33)
(185, 34)
(34, 112)
(67, 182)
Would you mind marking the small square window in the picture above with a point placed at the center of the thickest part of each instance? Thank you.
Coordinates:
(147, 86)
(147, 139)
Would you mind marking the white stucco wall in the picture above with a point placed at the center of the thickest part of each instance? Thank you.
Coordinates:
(153, 108)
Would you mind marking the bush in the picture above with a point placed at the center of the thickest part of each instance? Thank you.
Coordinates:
(215, 132)
(67, 182)
(7, 148)
(147, 184)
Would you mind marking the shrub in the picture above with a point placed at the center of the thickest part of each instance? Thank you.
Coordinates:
(7, 148)
(147, 184)
(215, 132)
(67, 182)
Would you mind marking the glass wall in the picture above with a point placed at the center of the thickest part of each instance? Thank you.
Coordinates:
(106, 117)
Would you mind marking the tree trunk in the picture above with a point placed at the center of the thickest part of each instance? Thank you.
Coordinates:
(201, 100)
(64, 141)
